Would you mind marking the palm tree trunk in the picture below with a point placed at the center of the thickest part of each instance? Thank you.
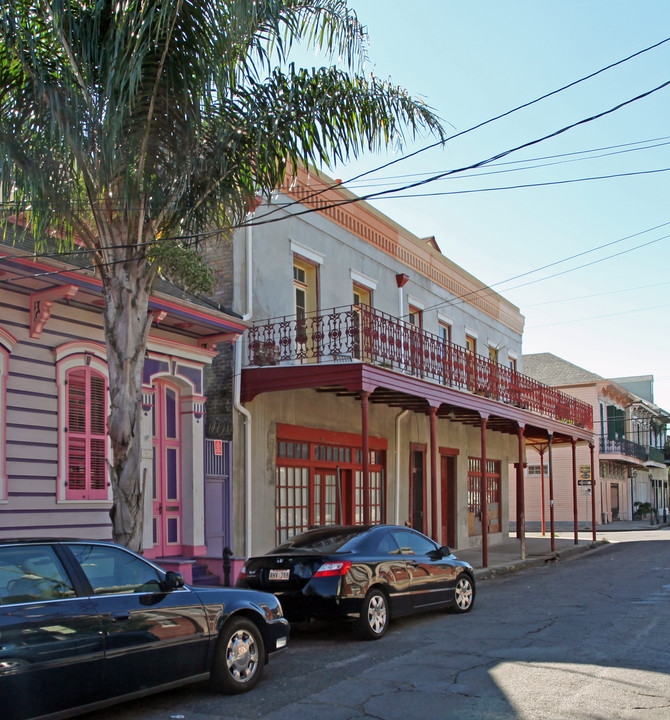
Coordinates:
(127, 325)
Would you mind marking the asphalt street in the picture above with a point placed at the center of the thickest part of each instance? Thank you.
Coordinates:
(582, 639)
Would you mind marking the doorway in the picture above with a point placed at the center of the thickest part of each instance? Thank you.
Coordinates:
(417, 486)
(448, 497)
(167, 491)
(614, 501)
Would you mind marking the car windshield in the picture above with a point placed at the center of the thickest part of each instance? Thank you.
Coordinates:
(327, 540)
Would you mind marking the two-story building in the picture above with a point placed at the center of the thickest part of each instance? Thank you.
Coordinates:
(629, 448)
(379, 381)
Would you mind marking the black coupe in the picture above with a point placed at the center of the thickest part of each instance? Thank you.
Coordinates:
(367, 574)
(86, 624)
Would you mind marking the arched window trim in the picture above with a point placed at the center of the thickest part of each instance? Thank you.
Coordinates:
(72, 356)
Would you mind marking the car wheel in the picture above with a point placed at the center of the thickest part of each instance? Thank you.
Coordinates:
(239, 658)
(464, 594)
(374, 617)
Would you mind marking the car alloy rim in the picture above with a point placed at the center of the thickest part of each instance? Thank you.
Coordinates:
(242, 656)
(377, 613)
(463, 594)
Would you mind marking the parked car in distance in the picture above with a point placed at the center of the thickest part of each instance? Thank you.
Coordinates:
(86, 624)
(366, 574)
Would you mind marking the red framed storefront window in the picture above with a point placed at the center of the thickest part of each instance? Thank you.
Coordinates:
(475, 496)
(319, 479)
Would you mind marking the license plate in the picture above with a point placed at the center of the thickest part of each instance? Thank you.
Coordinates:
(280, 574)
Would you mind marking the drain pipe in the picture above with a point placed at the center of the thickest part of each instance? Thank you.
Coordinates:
(237, 384)
(398, 418)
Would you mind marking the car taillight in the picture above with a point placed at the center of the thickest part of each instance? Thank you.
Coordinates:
(243, 573)
(333, 568)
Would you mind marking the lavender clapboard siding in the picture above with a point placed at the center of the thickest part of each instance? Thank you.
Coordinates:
(32, 427)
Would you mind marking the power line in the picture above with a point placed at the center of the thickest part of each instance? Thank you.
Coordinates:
(443, 175)
(593, 295)
(524, 186)
(487, 122)
(568, 158)
(600, 317)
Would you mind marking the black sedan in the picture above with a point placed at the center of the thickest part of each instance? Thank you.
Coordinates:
(366, 574)
(87, 624)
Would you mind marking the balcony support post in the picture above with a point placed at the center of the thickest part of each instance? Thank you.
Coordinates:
(433, 473)
(574, 492)
(484, 497)
(551, 495)
(521, 496)
(542, 508)
(365, 448)
(593, 496)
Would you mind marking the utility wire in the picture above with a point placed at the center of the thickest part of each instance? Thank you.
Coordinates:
(490, 120)
(524, 186)
(593, 295)
(440, 176)
(488, 288)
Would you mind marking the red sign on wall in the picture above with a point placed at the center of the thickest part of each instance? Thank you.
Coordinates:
(218, 447)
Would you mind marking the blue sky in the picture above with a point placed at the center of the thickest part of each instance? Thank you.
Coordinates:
(471, 61)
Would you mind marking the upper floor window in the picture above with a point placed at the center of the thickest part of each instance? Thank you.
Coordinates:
(362, 295)
(445, 332)
(415, 316)
(84, 447)
(471, 343)
(511, 363)
(304, 287)
(493, 354)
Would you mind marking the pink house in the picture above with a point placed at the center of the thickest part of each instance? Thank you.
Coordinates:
(53, 408)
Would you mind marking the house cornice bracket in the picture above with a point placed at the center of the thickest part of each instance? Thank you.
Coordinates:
(42, 302)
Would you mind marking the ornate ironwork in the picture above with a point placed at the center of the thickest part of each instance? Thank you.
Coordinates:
(361, 333)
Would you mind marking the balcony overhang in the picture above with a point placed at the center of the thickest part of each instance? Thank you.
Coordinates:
(407, 392)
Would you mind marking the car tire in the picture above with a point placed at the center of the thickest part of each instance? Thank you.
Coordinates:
(239, 657)
(464, 594)
(374, 617)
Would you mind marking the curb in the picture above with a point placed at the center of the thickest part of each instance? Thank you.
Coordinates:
(539, 560)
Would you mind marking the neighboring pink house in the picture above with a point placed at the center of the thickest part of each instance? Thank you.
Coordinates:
(629, 458)
(53, 407)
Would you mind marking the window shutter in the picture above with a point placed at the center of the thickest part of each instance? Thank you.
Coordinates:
(86, 443)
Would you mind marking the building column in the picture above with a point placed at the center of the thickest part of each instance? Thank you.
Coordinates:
(521, 496)
(593, 495)
(365, 448)
(433, 474)
(542, 507)
(575, 513)
(484, 497)
(551, 495)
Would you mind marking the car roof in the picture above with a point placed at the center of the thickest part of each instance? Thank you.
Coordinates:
(44, 540)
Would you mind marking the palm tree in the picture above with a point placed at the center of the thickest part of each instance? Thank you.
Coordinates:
(134, 125)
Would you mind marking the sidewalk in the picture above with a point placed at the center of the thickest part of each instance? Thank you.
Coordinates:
(505, 558)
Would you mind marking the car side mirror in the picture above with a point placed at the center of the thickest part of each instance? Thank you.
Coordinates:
(445, 550)
(173, 580)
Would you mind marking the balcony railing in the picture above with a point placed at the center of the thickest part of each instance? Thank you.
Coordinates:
(361, 333)
(656, 455)
(622, 446)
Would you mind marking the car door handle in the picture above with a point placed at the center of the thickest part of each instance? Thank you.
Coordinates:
(119, 617)
(413, 563)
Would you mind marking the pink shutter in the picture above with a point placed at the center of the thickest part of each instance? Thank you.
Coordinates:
(86, 443)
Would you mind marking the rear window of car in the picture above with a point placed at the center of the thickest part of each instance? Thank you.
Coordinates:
(322, 540)
(32, 573)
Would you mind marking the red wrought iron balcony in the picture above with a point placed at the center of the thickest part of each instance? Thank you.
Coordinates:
(358, 333)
